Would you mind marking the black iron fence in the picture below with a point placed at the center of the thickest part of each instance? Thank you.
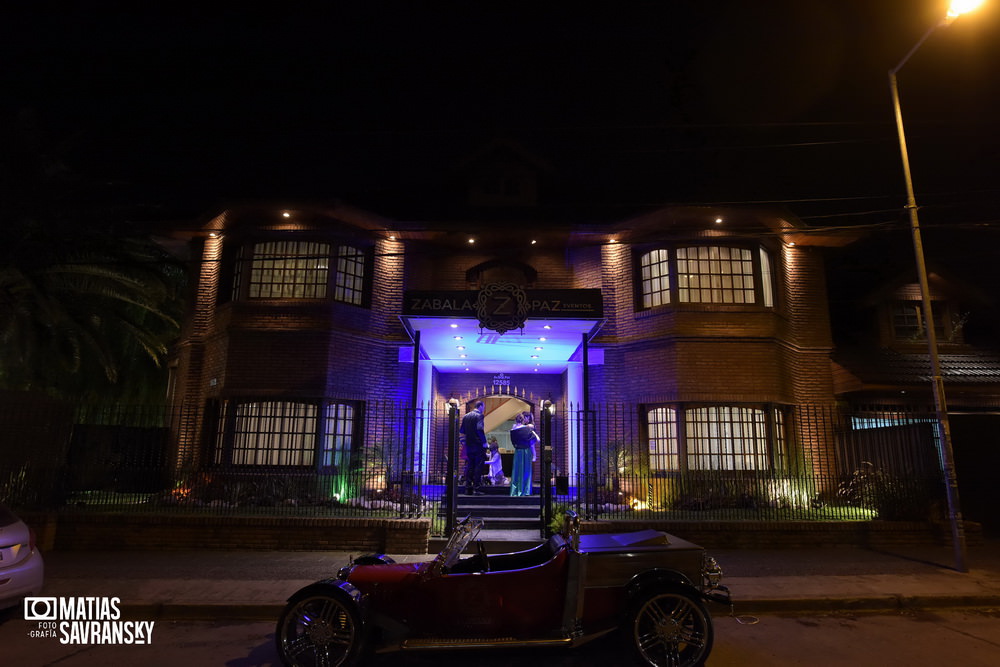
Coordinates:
(685, 462)
(677, 462)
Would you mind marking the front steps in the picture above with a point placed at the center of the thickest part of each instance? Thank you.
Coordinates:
(510, 523)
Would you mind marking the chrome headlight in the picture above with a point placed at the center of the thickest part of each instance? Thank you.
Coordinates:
(711, 573)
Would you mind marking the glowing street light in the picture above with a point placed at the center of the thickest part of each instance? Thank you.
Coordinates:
(958, 7)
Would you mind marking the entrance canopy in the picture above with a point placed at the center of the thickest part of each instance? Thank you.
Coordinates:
(502, 327)
(455, 344)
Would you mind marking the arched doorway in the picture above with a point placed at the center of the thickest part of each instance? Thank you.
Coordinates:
(500, 412)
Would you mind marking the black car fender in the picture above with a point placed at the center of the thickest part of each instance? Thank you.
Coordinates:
(659, 578)
(332, 587)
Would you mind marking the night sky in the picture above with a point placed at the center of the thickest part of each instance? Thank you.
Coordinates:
(627, 105)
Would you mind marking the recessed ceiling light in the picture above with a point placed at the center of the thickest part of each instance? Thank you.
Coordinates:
(472, 240)
(547, 326)
(718, 221)
(533, 241)
(453, 326)
(539, 347)
(459, 347)
(462, 356)
(286, 214)
(457, 337)
(542, 338)
(534, 356)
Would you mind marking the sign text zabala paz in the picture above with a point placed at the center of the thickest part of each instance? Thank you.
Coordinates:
(85, 621)
(542, 304)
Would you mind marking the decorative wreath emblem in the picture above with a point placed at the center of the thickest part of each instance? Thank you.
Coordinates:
(501, 307)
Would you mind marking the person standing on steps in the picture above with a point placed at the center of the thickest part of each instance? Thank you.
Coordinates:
(475, 449)
(524, 439)
(493, 459)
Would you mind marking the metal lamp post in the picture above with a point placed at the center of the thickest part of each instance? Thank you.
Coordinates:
(946, 453)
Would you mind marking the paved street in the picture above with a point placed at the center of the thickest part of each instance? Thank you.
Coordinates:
(815, 607)
(970, 638)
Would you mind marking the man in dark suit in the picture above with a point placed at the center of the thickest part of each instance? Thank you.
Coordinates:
(475, 449)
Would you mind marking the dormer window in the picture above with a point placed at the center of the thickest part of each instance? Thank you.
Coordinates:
(908, 324)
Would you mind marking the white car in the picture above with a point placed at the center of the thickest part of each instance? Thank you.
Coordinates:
(22, 569)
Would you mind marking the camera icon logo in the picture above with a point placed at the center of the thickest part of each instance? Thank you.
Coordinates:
(40, 609)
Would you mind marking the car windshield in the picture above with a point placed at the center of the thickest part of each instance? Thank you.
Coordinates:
(464, 532)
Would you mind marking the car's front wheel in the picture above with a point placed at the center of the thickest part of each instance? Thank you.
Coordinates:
(319, 628)
(669, 627)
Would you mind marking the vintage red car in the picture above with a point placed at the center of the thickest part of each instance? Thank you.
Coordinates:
(573, 588)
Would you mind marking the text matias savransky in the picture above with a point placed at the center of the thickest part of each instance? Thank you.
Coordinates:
(85, 620)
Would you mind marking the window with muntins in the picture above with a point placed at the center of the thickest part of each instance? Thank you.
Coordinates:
(714, 274)
(349, 284)
(908, 320)
(663, 449)
(654, 270)
(286, 434)
(289, 270)
(301, 270)
(715, 437)
(726, 438)
(709, 274)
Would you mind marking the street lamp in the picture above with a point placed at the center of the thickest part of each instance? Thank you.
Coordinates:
(946, 454)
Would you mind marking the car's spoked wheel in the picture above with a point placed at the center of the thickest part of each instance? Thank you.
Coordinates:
(669, 628)
(319, 631)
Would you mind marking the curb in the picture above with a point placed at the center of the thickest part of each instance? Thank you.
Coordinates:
(878, 604)
(196, 611)
(256, 611)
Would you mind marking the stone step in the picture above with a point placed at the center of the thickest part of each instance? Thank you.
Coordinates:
(500, 512)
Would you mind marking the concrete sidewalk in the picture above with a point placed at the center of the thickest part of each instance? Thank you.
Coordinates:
(219, 585)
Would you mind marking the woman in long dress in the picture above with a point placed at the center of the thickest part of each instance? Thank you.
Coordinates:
(524, 439)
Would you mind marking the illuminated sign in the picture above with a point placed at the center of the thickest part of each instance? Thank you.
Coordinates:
(504, 304)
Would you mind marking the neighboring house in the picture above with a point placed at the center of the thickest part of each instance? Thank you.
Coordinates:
(882, 367)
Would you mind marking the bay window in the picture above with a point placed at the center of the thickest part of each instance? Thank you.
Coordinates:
(715, 437)
(305, 434)
(708, 274)
(301, 270)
